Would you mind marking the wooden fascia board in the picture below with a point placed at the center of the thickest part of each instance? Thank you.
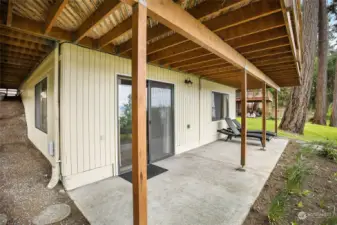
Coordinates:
(54, 12)
(176, 18)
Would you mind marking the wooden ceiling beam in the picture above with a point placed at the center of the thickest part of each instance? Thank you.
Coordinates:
(233, 32)
(289, 60)
(257, 38)
(199, 61)
(223, 70)
(24, 44)
(280, 68)
(198, 52)
(54, 12)
(20, 65)
(10, 48)
(208, 67)
(173, 16)
(24, 37)
(269, 52)
(176, 44)
(265, 45)
(37, 29)
(18, 55)
(199, 12)
(103, 11)
(260, 37)
(9, 13)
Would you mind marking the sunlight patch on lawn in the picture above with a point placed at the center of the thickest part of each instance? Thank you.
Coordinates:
(312, 132)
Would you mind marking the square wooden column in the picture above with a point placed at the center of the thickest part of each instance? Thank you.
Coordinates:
(139, 151)
(276, 108)
(243, 118)
(264, 106)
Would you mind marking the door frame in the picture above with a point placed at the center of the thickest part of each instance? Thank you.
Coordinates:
(117, 146)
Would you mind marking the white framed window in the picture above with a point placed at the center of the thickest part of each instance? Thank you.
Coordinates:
(220, 106)
(41, 105)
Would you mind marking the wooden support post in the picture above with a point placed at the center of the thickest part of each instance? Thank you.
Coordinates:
(264, 115)
(276, 108)
(243, 118)
(139, 151)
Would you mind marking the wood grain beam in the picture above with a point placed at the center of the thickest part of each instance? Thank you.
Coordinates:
(269, 52)
(24, 44)
(167, 55)
(9, 13)
(235, 24)
(176, 18)
(199, 12)
(10, 48)
(54, 12)
(103, 11)
(139, 152)
(243, 118)
(18, 55)
(276, 111)
(199, 61)
(24, 37)
(37, 29)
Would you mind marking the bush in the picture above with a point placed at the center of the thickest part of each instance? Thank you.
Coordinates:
(326, 149)
(277, 208)
(295, 176)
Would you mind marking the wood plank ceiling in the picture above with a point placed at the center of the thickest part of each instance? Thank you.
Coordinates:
(255, 28)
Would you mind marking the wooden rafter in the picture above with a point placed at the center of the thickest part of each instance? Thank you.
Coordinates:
(54, 12)
(24, 44)
(230, 34)
(104, 10)
(9, 13)
(200, 11)
(234, 25)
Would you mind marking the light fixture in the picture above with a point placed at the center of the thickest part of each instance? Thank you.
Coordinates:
(188, 82)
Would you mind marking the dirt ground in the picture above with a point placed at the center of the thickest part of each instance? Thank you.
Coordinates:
(321, 181)
(25, 173)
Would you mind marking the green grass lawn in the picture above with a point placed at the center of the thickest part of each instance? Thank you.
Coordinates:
(312, 132)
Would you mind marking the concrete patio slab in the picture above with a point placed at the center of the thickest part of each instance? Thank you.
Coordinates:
(201, 187)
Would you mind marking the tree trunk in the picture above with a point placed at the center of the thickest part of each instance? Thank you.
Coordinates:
(321, 88)
(294, 116)
(333, 119)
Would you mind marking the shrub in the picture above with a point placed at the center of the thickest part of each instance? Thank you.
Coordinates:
(326, 149)
(330, 221)
(277, 208)
(295, 176)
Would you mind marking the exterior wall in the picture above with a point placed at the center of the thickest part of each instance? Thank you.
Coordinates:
(208, 131)
(36, 136)
(88, 112)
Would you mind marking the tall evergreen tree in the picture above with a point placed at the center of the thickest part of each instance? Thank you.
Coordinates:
(323, 44)
(294, 116)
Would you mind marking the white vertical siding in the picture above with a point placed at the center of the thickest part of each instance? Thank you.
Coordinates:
(208, 127)
(40, 139)
(89, 106)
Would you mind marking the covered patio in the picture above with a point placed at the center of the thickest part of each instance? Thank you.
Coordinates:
(201, 186)
(244, 44)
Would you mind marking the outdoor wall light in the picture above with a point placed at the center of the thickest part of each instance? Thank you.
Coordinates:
(188, 82)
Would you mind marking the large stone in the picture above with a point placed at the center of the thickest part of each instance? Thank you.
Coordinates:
(52, 214)
(3, 219)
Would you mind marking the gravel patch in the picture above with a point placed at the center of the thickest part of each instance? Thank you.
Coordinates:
(25, 172)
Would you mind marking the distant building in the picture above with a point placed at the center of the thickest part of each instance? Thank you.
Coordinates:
(254, 103)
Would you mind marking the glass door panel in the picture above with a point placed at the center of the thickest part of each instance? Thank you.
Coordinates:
(160, 122)
(125, 124)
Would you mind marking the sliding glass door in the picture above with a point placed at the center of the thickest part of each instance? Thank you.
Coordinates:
(160, 124)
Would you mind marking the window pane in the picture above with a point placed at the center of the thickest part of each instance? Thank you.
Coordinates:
(41, 105)
(220, 106)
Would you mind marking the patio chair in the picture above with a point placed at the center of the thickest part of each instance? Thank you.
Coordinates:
(238, 125)
(234, 132)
